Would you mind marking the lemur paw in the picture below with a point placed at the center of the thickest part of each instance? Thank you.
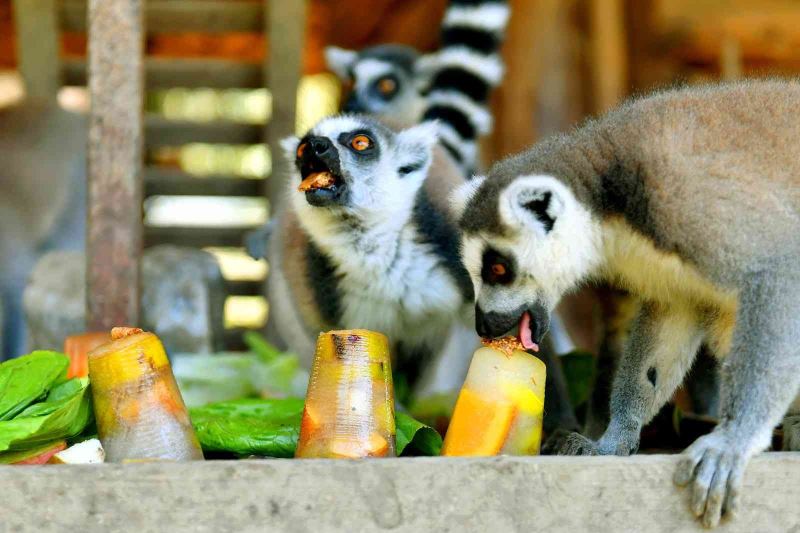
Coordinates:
(791, 433)
(714, 468)
(555, 441)
(577, 444)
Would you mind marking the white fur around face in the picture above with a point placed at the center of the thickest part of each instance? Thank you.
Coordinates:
(548, 263)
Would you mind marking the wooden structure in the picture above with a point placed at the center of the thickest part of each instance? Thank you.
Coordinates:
(118, 73)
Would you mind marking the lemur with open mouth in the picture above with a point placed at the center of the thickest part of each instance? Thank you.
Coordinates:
(690, 200)
(365, 239)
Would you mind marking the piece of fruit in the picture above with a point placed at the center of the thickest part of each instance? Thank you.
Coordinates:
(524, 398)
(479, 426)
(374, 446)
(310, 422)
(44, 456)
(86, 452)
(317, 180)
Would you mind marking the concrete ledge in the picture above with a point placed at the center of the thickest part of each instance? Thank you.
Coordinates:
(498, 494)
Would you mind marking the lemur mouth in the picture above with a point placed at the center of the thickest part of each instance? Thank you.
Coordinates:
(317, 175)
(526, 332)
(321, 182)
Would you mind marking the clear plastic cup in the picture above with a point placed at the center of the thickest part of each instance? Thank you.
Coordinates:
(139, 410)
(499, 409)
(349, 410)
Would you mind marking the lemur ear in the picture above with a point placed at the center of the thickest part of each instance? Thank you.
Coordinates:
(414, 149)
(289, 146)
(535, 202)
(340, 61)
(463, 194)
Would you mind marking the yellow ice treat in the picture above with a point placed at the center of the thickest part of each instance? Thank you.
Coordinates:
(349, 409)
(524, 398)
(479, 426)
(126, 359)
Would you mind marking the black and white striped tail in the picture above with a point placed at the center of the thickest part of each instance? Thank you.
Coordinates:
(463, 72)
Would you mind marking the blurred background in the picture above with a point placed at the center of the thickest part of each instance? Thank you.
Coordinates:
(206, 103)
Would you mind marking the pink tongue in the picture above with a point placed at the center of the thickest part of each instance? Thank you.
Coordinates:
(525, 333)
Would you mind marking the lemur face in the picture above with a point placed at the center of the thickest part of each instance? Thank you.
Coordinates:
(525, 243)
(381, 80)
(357, 165)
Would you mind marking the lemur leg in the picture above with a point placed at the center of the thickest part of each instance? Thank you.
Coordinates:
(559, 415)
(791, 427)
(662, 344)
(760, 378)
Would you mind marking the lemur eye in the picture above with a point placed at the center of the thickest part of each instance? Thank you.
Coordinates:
(497, 268)
(361, 143)
(301, 150)
(387, 86)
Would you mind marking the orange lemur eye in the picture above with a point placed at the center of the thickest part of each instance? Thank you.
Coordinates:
(387, 85)
(361, 143)
(499, 269)
(301, 149)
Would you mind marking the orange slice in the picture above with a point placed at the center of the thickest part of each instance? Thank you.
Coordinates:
(479, 427)
(317, 180)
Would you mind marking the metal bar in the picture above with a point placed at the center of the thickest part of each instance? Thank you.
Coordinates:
(37, 47)
(116, 86)
(285, 23)
(165, 73)
(202, 16)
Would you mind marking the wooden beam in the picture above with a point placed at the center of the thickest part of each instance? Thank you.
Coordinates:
(164, 132)
(285, 23)
(37, 47)
(160, 181)
(608, 58)
(196, 237)
(163, 73)
(175, 16)
(116, 86)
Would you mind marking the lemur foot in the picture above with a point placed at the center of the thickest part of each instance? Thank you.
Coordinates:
(577, 444)
(791, 433)
(555, 441)
(714, 468)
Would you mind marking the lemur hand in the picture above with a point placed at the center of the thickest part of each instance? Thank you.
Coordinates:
(714, 466)
(575, 444)
(791, 433)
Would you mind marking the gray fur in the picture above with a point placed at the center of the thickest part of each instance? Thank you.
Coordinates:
(709, 179)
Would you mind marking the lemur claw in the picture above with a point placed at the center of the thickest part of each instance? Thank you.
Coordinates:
(791, 433)
(577, 444)
(713, 466)
(555, 441)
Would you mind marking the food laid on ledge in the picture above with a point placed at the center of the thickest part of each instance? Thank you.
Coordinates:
(499, 409)
(138, 408)
(77, 348)
(349, 409)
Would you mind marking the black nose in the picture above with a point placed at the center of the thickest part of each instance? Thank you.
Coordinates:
(490, 325)
(321, 145)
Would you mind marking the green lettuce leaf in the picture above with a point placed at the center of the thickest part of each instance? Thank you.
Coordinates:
(415, 438)
(250, 426)
(271, 427)
(65, 413)
(27, 379)
(8, 458)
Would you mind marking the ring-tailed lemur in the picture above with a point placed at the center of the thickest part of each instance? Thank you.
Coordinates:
(690, 200)
(395, 82)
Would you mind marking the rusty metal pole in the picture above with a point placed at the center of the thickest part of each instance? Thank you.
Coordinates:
(114, 225)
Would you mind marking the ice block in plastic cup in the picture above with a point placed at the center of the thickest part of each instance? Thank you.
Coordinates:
(139, 410)
(349, 411)
(77, 348)
(499, 409)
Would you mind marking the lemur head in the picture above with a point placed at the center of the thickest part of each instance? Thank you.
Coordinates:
(355, 166)
(526, 240)
(382, 80)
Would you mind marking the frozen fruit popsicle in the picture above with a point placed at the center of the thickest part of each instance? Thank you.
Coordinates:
(349, 411)
(139, 411)
(499, 409)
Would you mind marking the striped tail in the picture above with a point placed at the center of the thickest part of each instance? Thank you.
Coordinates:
(462, 74)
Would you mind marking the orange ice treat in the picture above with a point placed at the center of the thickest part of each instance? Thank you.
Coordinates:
(349, 411)
(139, 410)
(77, 348)
(500, 407)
